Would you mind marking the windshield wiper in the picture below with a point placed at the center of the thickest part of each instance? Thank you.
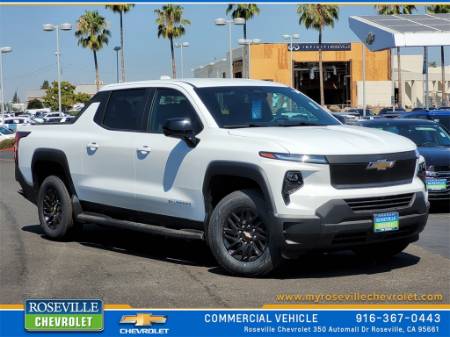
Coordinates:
(298, 124)
(240, 126)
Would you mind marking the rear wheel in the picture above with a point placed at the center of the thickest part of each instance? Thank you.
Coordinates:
(241, 236)
(55, 209)
(382, 250)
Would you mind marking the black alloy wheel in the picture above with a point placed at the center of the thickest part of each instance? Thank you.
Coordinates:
(55, 209)
(244, 235)
(52, 208)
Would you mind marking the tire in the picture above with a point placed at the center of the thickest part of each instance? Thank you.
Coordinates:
(55, 209)
(241, 236)
(382, 250)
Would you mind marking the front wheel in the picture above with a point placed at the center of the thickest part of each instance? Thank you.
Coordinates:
(55, 209)
(241, 236)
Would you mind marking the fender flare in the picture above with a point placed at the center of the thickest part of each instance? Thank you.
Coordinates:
(242, 170)
(56, 157)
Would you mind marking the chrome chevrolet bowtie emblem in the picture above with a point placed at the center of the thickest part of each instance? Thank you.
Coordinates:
(380, 165)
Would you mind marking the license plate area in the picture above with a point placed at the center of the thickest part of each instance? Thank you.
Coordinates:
(436, 184)
(386, 222)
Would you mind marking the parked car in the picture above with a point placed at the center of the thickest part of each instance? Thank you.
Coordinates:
(433, 142)
(6, 133)
(255, 168)
(345, 118)
(50, 117)
(440, 116)
(389, 112)
(12, 122)
(358, 112)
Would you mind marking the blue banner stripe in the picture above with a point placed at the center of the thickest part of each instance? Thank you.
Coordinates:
(238, 323)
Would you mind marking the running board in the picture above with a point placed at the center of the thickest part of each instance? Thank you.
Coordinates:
(191, 234)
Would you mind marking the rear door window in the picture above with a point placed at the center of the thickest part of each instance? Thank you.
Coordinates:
(125, 110)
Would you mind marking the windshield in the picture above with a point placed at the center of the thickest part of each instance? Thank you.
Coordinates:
(247, 106)
(422, 135)
(443, 120)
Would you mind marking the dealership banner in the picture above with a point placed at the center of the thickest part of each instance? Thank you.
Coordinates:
(319, 46)
(86, 317)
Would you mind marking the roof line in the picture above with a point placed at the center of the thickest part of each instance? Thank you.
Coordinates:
(370, 22)
(415, 22)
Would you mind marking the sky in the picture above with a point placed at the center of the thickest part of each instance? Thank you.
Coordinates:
(147, 57)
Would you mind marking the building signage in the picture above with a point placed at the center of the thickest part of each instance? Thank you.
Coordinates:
(323, 46)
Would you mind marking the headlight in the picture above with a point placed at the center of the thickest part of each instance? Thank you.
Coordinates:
(430, 172)
(300, 158)
(421, 173)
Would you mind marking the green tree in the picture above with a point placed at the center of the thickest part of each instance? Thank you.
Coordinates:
(35, 104)
(244, 11)
(67, 95)
(318, 17)
(45, 85)
(16, 98)
(441, 9)
(81, 97)
(92, 33)
(395, 10)
(121, 9)
(171, 25)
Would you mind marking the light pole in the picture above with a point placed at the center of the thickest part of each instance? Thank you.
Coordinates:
(48, 28)
(291, 38)
(223, 22)
(425, 72)
(3, 50)
(247, 43)
(116, 49)
(364, 78)
(182, 45)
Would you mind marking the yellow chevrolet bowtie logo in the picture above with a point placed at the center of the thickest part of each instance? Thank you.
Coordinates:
(143, 319)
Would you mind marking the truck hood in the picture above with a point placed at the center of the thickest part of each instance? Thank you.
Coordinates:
(329, 140)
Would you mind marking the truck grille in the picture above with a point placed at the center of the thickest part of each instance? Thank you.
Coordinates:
(353, 172)
(380, 203)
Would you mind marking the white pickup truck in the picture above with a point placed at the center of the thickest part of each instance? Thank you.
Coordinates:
(255, 168)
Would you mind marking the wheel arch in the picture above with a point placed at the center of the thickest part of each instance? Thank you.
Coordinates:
(244, 175)
(46, 162)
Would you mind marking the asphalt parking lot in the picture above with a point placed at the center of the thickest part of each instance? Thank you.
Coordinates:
(143, 270)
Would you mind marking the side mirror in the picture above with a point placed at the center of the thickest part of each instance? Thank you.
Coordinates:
(181, 128)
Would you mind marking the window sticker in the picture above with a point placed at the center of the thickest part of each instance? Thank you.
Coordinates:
(256, 109)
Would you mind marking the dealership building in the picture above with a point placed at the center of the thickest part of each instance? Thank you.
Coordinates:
(342, 68)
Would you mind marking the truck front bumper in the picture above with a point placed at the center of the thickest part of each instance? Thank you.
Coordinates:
(338, 227)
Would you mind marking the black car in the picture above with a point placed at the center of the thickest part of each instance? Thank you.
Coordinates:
(358, 112)
(433, 142)
(391, 113)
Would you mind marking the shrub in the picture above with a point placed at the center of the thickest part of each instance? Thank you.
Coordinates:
(7, 143)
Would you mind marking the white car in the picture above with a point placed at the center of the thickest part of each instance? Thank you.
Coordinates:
(256, 169)
(12, 122)
(50, 117)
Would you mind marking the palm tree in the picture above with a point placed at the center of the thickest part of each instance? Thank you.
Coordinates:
(244, 11)
(92, 33)
(436, 9)
(121, 9)
(318, 17)
(171, 24)
(395, 10)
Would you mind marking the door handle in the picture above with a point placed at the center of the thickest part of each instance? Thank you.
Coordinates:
(144, 149)
(92, 146)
